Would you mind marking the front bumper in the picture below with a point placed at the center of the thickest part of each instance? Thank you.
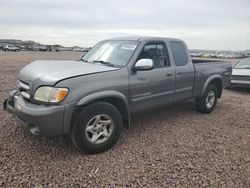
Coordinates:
(240, 83)
(40, 119)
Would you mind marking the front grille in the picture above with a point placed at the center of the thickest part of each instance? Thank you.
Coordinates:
(246, 78)
(23, 88)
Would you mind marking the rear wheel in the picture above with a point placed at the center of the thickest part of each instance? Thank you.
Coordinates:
(97, 127)
(208, 101)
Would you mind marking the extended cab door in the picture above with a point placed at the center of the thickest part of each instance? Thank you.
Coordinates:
(154, 87)
(184, 71)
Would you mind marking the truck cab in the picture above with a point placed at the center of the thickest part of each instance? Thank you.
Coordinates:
(171, 78)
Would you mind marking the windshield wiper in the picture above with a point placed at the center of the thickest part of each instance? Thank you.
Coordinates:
(247, 67)
(104, 63)
(84, 60)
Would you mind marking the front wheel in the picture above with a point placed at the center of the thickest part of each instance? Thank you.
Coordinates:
(208, 101)
(97, 127)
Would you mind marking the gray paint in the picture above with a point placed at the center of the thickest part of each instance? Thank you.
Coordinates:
(137, 90)
(52, 71)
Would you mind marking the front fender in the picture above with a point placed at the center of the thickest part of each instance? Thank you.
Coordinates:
(102, 94)
(208, 81)
(122, 106)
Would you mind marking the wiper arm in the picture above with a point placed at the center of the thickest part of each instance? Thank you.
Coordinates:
(84, 60)
(246, 67)
(104, 62)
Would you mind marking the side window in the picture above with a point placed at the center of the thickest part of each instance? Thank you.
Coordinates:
(157, 52)
(179, 53)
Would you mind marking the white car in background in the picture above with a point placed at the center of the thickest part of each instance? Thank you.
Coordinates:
(241, 74)
(10, 48)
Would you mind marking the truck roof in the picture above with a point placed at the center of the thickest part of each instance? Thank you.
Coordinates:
(142, 38)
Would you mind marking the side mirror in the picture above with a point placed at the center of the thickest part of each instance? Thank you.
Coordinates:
(144, 64)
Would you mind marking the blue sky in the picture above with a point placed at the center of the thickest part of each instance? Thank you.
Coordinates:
(203, 24)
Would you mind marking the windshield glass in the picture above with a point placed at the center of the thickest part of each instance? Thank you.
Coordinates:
(243, 64)
(116, 53)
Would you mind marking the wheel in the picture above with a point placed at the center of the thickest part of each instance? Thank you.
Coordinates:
(96, 128)
(207, 102)
(6, 50)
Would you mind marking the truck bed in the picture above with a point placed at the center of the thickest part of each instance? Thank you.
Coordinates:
(200, 60)
(206, 68)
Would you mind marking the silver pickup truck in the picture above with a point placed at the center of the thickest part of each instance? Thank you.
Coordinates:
(93, 98)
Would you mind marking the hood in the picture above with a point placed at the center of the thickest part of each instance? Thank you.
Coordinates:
(241, 72)
(52, 71)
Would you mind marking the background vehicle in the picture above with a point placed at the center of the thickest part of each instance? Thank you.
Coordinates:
(93, 98)
(221, 55)
(11, 48)
(207, 55)
(196, 54)
(241, 74)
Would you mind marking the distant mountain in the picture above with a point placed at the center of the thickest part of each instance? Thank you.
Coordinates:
(35, 46)
(14, 41)
(30, 42)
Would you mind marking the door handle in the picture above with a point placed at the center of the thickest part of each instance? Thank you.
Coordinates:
(179, 73)
(169, 74)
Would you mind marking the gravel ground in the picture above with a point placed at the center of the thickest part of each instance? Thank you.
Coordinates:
(168, 147)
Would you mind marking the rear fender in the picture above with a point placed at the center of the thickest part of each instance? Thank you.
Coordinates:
(208, 81)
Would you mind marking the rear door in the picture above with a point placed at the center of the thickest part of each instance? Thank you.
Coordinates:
(184, 71)
(154, 87)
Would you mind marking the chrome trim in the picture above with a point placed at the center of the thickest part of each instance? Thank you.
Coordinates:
(23, 85)
(240, 82)
(23, 89)
(25, 95)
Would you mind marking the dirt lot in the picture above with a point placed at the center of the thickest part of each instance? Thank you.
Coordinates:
(171, 146)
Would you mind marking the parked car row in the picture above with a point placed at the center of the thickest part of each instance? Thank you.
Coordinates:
(41, 48)
(221, 55)
(10, 48)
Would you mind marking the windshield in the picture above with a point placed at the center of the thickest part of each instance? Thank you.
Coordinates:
(114, 53)
(243, 64)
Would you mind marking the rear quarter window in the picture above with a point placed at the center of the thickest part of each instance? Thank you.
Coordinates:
(179, 53)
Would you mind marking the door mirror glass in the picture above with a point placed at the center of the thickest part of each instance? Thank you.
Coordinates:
(144, 64)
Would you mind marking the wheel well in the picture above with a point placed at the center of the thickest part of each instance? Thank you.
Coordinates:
(119, 104)
(218, 85)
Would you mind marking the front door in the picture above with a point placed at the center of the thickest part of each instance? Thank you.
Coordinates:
(149, 88)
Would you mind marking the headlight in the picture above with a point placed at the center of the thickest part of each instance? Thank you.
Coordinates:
(50, 94)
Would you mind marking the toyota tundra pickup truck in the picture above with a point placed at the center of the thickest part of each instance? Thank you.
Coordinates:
(93, 98)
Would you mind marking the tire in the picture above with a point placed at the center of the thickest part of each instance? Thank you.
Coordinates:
(208, 101)
(88, 124)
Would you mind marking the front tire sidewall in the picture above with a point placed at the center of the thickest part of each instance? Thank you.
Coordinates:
(84, 116)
